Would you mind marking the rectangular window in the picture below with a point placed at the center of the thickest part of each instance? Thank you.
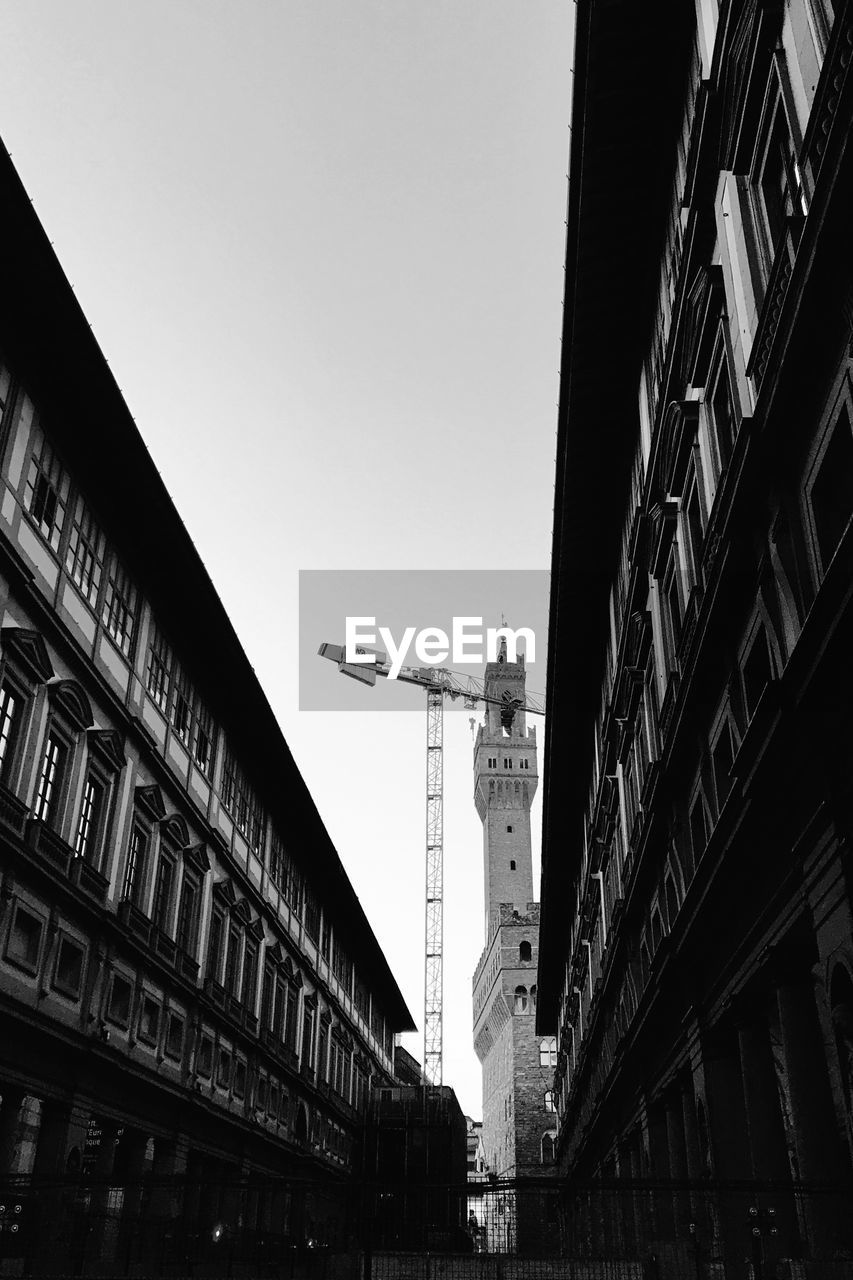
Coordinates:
(307, 1035)
(721, 404)
(85, 557)
(673, 608)
(214, 946)
(780, 182)
(204, 1060)
(223, 1070)
(174, 1046)
(232, 962)
(756, 671)
(161, 912)
(90, 825)
(118, 1009)
(250, 975)
(24, 945)
(159, 675)
(832, 489)
(149, 1020)
(312, 913)
(46, 494)
(239, 1079)
(267, 997)
(290, 1019)
(188, 913)
(203, 744)
(10, 704)
(51, 779)
(182, 706)
(68, 974)
(120, 607)
(698, 828)
(134, 867)
(722, 757)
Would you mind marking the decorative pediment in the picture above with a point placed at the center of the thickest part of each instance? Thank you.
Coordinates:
(108, 747)
(276, 954)
(175, 830)
(196, 856)
(287, 966)
(71, 702)
(150, 801)
(297, 979)
(310, 1000)
(29, 651)
(242, 911)
(325, 1018)
(223, 890)
(256, 930)
(705, 304)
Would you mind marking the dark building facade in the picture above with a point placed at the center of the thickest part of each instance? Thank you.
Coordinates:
(696, 937)
(415, 1168)
(191, 997)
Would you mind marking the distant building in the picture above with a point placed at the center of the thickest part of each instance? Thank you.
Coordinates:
(189, 986)
(407, 1069)
(415, 1169)
(696, 933)
(519, 1122)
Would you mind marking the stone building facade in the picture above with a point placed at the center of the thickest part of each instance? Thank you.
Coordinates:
(696, 939)
(188, 985)
(518, 1121)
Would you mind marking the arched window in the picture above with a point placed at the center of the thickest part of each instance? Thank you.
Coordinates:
(533, 996)
(547, 1148)
(549, 1100)
(524, 952)
(521, 999)
(548, 1052)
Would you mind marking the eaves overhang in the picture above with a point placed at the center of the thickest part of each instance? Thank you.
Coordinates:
(51, 348)
(630, 73)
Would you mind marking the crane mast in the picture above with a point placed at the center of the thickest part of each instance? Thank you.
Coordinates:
(434, 925)
(438, 683)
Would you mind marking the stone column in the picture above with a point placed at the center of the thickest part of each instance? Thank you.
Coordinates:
(164, 1216)
(820, 1148)
(726, 1117)
(133, 1157)
(102, 1236)
(60, 1227)
(775, 1213)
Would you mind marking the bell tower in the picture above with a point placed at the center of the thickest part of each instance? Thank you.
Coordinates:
(518, 1123)
(505, 781)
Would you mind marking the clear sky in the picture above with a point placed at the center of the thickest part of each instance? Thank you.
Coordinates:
(321, 244)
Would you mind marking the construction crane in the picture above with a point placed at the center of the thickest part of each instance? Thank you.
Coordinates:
(438, 683)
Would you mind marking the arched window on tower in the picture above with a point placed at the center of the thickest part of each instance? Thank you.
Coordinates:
(533, 997)
(524, 952)
(521, 1000)
(548, 1052)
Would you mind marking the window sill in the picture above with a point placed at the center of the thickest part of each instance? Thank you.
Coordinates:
(87, 878)
(134, 920)
(13, 812)
(44, 840)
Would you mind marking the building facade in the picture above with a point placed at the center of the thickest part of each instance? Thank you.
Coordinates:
(696, 937)
(188, 985)
(518, 1118)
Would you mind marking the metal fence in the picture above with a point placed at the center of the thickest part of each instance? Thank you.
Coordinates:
(349, 1230)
